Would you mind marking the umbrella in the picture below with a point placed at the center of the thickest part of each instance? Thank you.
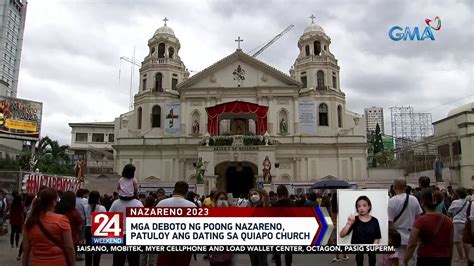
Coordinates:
(330, 184)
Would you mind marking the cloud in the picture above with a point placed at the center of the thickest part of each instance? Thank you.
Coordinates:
(71, 50)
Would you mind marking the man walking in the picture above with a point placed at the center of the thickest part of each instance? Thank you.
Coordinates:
(178, 200)
(402, 212)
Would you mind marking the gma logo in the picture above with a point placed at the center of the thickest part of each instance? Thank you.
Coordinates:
(397, 33)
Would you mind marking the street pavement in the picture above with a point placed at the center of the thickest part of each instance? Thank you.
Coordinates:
(8, 258)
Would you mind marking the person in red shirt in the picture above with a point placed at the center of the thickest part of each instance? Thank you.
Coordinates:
(433, 233)
(16, 219)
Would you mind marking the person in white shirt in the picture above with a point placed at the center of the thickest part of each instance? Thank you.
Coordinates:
(120, 205)
(93, 205)
(177, 200)
(457, 211)
(400, 218)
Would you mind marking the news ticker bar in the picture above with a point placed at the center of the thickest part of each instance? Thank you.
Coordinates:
(332, 249)
(225, 226)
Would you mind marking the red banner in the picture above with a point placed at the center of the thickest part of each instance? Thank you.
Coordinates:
(33, 182)
(236, 107)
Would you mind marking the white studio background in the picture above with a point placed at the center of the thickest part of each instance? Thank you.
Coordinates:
(346, 199)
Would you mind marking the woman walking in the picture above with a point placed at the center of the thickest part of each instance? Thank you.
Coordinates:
(47, 235)
(16, 220)
(93, 205)
(432, 233)
(258, 199)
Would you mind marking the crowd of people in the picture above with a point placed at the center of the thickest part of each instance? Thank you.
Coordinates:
(427, 225)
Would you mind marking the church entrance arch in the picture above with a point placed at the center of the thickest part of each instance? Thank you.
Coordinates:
(236, 177)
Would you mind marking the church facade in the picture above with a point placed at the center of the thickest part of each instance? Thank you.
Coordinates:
(241, 123)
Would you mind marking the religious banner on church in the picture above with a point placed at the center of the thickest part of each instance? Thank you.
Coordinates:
(307, 117)
(20, 119)
(172, 120)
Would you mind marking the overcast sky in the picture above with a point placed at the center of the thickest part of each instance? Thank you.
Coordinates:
(72, 49)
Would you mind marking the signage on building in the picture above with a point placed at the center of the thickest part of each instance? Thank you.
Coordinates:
(172, 120)
(307, 117)
(20, 119)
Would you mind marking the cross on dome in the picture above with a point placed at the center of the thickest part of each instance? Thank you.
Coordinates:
(165, 19)
(238, 41)
(312, 18)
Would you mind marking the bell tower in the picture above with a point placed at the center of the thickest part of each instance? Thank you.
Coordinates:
(162, 69)
(316, 67)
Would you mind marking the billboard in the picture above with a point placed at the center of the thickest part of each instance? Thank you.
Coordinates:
(20, 119)
(307, 117)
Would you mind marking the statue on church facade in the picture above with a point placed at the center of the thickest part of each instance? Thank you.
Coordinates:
(438, 169)
(200, 170)
(267, 166)
(79, 170)
(195, 127)
(283, 126)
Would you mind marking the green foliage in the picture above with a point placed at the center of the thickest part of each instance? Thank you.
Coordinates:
(51, 158)
(220, 141)
(253, 141)
(377, 145)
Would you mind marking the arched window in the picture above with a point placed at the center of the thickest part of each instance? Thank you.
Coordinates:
(323, 115)
(304, 80)
(171, 52)
(317, 48)
(161, 50)
(156, 116)
(283, 122)
(339, 116)
(139, 119)
(320, 80)
(158, 82)
(306, 49)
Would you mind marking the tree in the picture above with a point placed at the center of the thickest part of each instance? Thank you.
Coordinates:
(49, 157)
(377, 144)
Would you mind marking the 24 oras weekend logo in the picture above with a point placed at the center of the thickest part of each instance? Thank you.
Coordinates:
(397, 33)
(107, 228)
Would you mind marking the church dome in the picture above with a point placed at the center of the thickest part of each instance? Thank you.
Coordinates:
(313, 28)
(463, 108)
(164, 30)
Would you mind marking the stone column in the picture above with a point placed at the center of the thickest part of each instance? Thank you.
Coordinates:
(182, 170)
(184, 118)
(296, 116)
(297, 169)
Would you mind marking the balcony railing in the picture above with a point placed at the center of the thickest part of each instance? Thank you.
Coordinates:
(238, 140)
(161, 61)
(317, 58)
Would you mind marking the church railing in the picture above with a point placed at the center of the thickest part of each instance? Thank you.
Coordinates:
(317, 58)
(238, 140)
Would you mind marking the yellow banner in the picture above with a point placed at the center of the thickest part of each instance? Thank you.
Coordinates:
(21, 125)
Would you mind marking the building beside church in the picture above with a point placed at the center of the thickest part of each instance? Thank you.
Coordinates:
(92, 143)
(374, 116)
(241, 116)
(12, 25)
